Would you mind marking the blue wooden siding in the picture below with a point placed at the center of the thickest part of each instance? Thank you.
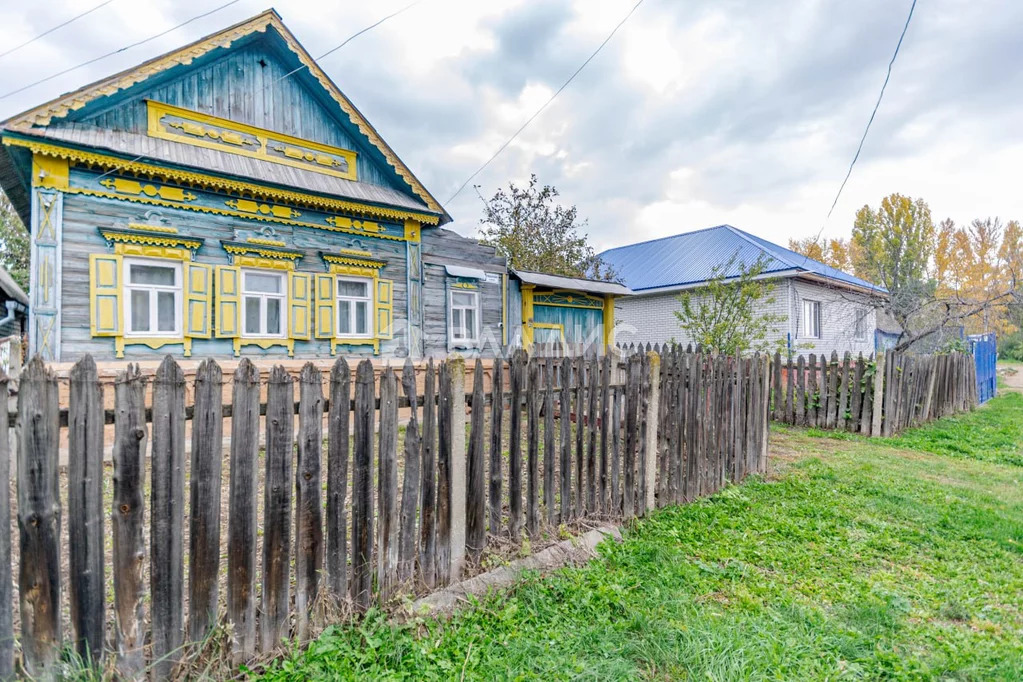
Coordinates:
(514, 308)
(985, 355)
(237, 86)
(83, 215)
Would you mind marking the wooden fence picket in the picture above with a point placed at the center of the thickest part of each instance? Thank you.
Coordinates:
(241, 522)
(548, 441)
(411, 480)
(338, 434)
(475, 519)
(428, 500)
(204, 500)
(496, 455)
(308, 503)
(362, 488)
(387, 486)
(85, 519)
(280, 440)
(517, 379)
(166, 567)
(533, 449)
(6, 579)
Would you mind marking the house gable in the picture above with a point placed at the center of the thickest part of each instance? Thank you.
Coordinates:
(254, 75)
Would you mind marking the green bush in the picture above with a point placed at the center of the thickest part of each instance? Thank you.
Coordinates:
(1011, 347)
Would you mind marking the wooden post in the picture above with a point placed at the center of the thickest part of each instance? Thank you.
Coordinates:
(457, 464)
(812, 394)
(338, 433)
(410, 485)
(843, 399)
(564, 427)
(39, 520)
(496, 459)
(204, 499)
(833, 404)
(517, 379)
(578, 509)
(308, 503)
(362, 487)
(605, 415)
(428, 503)
(779, 404)
(800, 391)
(652, 418)
(592, 394)
(241, 522)
(533, 449)
(790, 390)
(631, 434)
(387, 480)
(475, 520)
(280, 441)
(6, 579)
(548, 441)
(856, 395)
(85, 518)
(126, 519)
(167, 567)
(877, 394)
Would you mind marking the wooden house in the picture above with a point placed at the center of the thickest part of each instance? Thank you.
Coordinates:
(227, 199)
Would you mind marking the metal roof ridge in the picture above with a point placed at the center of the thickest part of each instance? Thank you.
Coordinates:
(660, 239)
(745, 236)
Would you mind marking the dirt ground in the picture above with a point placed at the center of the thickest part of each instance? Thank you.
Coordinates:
(1012, 374)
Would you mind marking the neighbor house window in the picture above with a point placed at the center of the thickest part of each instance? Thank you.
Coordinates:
(860, 332)
(354, 307)
(812, 319)
(263, 303)
(464, 317)
(153, 292)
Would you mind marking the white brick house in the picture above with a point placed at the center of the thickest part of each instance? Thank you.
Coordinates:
(824, 309)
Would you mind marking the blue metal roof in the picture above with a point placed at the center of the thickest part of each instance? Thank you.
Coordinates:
(689, 258)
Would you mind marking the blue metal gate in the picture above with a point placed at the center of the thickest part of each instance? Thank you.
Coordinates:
(985, 355)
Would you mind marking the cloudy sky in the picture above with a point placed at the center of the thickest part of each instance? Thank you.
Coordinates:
(697, 113)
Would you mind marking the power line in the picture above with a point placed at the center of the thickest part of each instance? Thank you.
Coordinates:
(545, 104)
(863, 139)
(291, 73)
(118, 51)
(346, 41)
(58, 26)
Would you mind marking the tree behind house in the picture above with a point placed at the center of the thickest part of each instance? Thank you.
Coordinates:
(528, 226)
(14, 244)
(731, 313)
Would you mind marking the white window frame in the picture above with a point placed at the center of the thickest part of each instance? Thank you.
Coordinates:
(369, 299)
(177, 289)
(465, 341)
(860, 325)
(263, 296)
(811, 306)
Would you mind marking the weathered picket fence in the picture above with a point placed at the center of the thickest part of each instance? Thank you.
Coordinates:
(882, 395)
(587, 438)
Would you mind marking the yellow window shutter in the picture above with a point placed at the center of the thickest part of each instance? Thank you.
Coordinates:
(326, 304)
(299, 305)
(385, 309)
(105, 287)
(198, 299)
(228, 301)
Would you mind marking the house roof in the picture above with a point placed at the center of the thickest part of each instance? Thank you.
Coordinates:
(38, 120)
(11, 288)
(689, 258)
(589, 286)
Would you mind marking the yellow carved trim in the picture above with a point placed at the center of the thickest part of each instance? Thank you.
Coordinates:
(164, 229)
(62, 106)
(49, 172)
(128, 186)
(212, 132)
(183, 244)
(464, 285)
(527, 315)
(148, 251)
(265, 242)
(239, 342)
(362, 267)
(355, 252)
(551, 325)
(249, 206)
(609, 321)
(412, 230)
(106, 162)
(357, 225)
(153, 342)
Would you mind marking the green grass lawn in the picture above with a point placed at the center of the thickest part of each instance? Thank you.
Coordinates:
(853, 560)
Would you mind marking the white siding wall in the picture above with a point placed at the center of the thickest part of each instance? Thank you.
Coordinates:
(651, 318)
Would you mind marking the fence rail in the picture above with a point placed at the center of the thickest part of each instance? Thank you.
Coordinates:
(875, 396)
(360, 512)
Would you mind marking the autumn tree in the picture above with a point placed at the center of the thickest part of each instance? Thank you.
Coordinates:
(838, 253)
(14, 243)
(894, 243)
(535, 232)
(730, 314)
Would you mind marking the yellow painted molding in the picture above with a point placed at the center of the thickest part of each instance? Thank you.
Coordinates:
(346, 265)
(609, 321)
(413, 230)
(153, 342)
(551, 325)
(249, 206)
(62, 106)
(265, 242)
(49, 172)
(240, 342)
(149, 189)
(168, 122)
(176, 247)
(163, 229)
(464, 285)
(527, 315)
(355, 252)
(104, 161)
